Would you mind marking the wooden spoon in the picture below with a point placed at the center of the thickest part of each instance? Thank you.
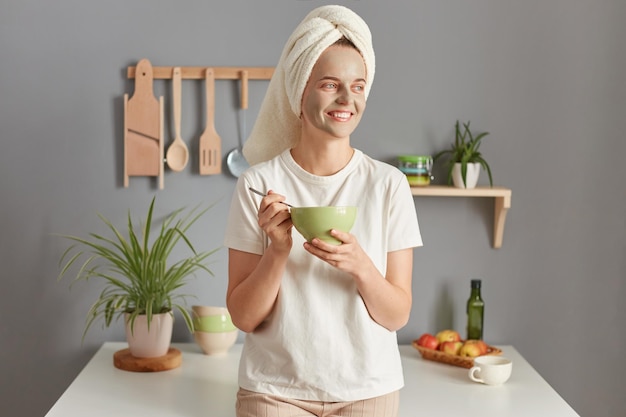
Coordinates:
(177, 153)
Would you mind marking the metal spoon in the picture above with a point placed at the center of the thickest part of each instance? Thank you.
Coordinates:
(261, 194)
(235, 160)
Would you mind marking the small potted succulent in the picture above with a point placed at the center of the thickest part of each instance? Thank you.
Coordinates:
(464, 158)
(141, 283)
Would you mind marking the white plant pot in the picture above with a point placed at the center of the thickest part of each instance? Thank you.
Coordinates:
(153, 343)
(471, 176)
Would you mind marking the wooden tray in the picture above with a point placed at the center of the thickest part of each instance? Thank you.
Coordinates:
(447, 358)
(122, 359)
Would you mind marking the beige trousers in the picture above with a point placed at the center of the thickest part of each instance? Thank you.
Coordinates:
(254, 404)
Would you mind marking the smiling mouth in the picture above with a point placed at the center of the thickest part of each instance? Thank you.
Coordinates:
(340, 115)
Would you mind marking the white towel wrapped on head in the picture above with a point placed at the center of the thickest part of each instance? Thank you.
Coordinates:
(278, 124)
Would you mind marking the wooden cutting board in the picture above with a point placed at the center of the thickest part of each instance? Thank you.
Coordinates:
(122, 359)
(143, 128)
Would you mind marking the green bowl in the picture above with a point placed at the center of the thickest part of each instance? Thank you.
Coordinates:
(217, 323)
(316, 222)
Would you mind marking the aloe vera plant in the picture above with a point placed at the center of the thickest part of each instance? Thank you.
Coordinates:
(139, 278)
(464, 150)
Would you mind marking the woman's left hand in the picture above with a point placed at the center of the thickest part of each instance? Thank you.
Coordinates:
(348, 257)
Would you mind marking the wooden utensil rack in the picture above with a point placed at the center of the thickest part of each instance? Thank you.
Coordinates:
(221, 73)
(143, 113)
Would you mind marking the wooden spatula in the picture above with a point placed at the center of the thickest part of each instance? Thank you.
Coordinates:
(210, 142)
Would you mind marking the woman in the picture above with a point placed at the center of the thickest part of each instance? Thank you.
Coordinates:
(320, 319)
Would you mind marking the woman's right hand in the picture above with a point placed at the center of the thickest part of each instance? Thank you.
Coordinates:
(275, 220)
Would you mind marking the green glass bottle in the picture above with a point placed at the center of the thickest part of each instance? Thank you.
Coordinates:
(475, 312)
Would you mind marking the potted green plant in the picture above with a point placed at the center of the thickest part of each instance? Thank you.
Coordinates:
(141, 282)
(464, 156)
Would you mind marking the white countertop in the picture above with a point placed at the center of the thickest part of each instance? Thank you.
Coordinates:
(206, 386)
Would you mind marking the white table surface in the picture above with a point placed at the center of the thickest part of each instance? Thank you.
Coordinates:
(205, 386)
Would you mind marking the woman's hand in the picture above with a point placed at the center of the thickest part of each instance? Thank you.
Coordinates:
(275, 220)
(348, 257)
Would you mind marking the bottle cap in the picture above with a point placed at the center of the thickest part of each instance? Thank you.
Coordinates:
(476, 283)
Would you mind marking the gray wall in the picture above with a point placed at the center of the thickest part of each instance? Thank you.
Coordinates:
(546, 78)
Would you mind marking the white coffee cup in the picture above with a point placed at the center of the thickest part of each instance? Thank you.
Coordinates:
(491, 370)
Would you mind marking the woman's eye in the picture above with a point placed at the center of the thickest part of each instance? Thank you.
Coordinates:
(330, 85)
(359, 88)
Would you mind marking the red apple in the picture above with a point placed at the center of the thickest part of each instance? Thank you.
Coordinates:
(471, 349)
(483, 346)
(428, 341)
(451, 347)
(448, 336)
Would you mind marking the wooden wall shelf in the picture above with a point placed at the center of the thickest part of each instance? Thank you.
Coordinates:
(502, 202)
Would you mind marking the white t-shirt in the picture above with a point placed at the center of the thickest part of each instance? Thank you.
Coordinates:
(319, 343)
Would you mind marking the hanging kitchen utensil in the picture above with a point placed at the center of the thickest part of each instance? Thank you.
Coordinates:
(210, 142)
(177, 153)
(143, 128)
(237, 164)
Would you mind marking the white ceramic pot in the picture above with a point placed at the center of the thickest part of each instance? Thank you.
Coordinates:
(215, 343)
(471, 176)
(214, 332)
(153, 343)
